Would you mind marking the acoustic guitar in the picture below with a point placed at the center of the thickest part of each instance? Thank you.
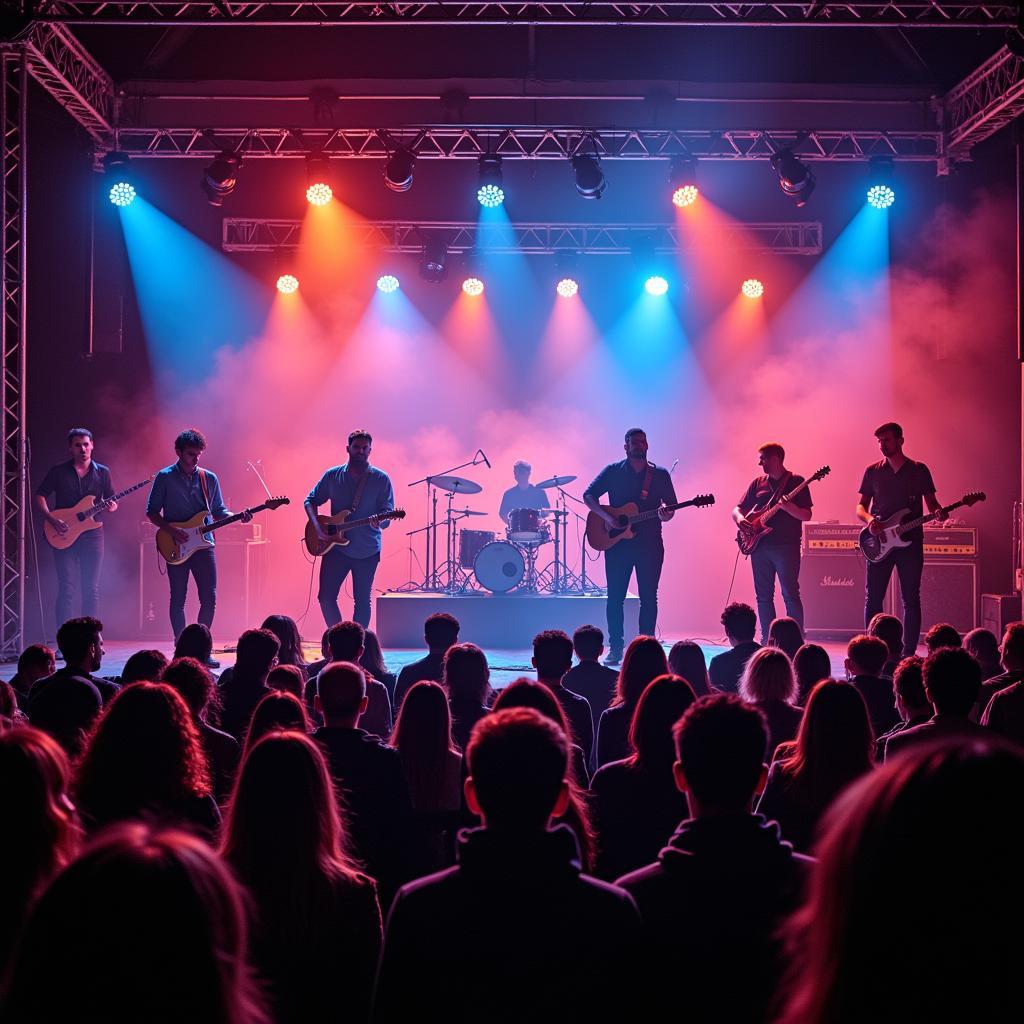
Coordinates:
(82, 517)
(877, 546)
(199, 528)
(756, 528)
(337, 526)
(601, 536)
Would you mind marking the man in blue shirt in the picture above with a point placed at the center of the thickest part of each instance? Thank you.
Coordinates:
(179, 492)
(364, 490)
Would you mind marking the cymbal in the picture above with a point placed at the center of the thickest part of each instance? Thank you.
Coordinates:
(466, 512)
(555, 481)
(457, 484)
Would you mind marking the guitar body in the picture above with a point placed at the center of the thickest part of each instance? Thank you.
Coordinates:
(329, 524)
(78, 521)
(176, 553)
(877, 547)
(600, 536)
(748, 537)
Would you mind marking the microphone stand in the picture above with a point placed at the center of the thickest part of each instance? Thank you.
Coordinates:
(263, 483)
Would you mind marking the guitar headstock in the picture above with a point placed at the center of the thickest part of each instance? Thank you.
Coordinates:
(273, 503)
(974, 497)
(823, 472)
(395, 513)
(703, 500)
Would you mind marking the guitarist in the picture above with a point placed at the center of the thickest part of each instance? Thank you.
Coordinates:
(778, 553)
(635, 479)
(894, 483)
(179, 492)
(69, 482)
(365, 491)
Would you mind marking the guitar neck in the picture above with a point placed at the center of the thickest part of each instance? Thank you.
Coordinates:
(768, 513)
(232, 519)
(351, 523)
(913, 524)
(642, 517)
(103, 505)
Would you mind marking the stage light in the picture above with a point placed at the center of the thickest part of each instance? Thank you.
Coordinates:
(434, 261)
(122, 193)
(220, 178)
(795, 179)
(752, 288)
(656, 285)
(118, 179)
(490, 192)
(567, 287)
(682, 179)
(881, 194)
(287, 283)
(473, 286)
(567, 278)
(590, 179)
(318, 178)
(387, 284)
(398, 170)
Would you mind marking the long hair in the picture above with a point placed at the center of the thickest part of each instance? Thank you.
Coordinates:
(768, 675)
(191, 678)
(811, 664)
(526, 693)
(284, 834)
(373, 657)
(917, 864)
(147, 925)
(686, 659)
(423, 737)
(643, 661)
(786, 634)
(285, 629)
(466, 674)
(278, 711)
(195, 641)
(661, 705)
(144, 753)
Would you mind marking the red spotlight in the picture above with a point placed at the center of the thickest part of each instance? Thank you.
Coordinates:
(752, 288)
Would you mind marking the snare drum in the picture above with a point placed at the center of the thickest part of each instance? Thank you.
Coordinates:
(525, 526)
(499, 566)
(470, 544)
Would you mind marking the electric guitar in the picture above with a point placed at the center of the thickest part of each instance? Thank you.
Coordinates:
(601, 536)
(756, 528)
(878, 546)
(336, 527)
(199, 529)
(82, 517)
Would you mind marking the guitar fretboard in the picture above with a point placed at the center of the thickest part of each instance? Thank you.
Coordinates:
(913, 524)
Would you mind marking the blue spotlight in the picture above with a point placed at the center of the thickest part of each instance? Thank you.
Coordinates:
(387, 284)
(656, 285)
(490, 193)
(118, 179)
(881, 194)
(122, 193)
(881, 197)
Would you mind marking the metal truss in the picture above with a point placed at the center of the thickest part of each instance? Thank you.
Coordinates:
(852, 13)
(13, 490)
(239, 234)
(986, 100)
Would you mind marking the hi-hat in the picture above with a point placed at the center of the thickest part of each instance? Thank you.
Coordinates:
(456, 484)
(555, 481)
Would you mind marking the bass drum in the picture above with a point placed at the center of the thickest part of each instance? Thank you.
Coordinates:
(499, 567)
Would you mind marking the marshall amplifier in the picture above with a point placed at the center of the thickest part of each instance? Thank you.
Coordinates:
(831, 537)
(998, 611)
(951, 542)
(949, 593)
(832, 588)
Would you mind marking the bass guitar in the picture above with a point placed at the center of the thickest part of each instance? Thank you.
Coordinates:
(82, 517)
(199, 529)
(756, 528)
(876, 546)
(337, 526)
(601, 536)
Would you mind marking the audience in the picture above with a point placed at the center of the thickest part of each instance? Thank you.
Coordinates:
(195, 641)
(912, 703)
(313, 669)
(316, 924)
(1012, 661)
(686, 659)
(552, 658)
(637, 805)
(810, 665)
(279, 711)
(643, 662)
(143, 666)
(440, 632)
(246, 686)
(513, 932)
(145, 760)
(769, 684)
(983, 646)
(713, 900)
(372, 662)
(36, 662)
(888, 629)
(147, 925)
(786, 634)
(834, 746)
(865, 658)
(287, 679)
(1004, 709)
(590, 678)
(466, 677)
(913, 911)
(287, 633)
(81, 643)
(740, 622)
(942, 634)
(10, 714)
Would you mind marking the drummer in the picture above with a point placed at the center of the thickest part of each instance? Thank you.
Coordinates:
(524, 494)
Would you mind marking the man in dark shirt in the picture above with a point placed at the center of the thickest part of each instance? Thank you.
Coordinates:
(778, 553)
(911, 701)
(865, 657)
(440, 632)
(1012, 660)
(636, 481)
(69, 482)
(726, 668)
(889, 486)
(552, 658)
(363, 490)
(35, 662)
(524, 494)
(245, 686)
(590, 678)
(889, 630)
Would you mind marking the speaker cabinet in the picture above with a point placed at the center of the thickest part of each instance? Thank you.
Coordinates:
(832, 588)
(949, 593)
(998, 611)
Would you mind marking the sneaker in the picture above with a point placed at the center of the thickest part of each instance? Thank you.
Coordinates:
(614, 657)
(212, 663)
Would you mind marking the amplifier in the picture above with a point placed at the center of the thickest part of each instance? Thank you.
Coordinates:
(998, 611)
(949, 593)
(831, 537)
(951, 542)
(832, 587)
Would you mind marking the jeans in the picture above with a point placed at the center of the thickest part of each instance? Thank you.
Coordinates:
(767, 562)
(202, 565)
(334, 568)
(83, 559)
(909, 564)
(646, 556)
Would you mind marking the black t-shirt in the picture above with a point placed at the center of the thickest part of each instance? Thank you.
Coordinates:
(763, 490)
(623, 485)
(889, 492)
(68, 488)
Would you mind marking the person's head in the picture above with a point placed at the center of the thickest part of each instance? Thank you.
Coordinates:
(952, 681)
(890, 439)
(720, 743)
(189, 445)
(588, 643)
(325, 647)
(643, 661)
(983, 646)
(347, 641)
(686, 659)
(194, 641)
(67, 710)
(277, 712)
(770, 457)
(191, 678)
(80, 444)
(908, 684)
(528, 693)
(359, 446)
(518, 770)
(373, 657)
(1012, 650)
(786, 634)
(81, 642)
(811, 664)
(768, 675)
(661, 705)
(287, 633)
(740, 622)
(942, 634)
(288, 678)
(928, 833)
(466, 674)
(36, 662)
(173, 912)
(257, 653)
(8, 704)
(423, 736)
(866, 655)
(144, 666)
(341, 693)
(521, 471)
(888, 629)
(440, 631)
(636, 443)
(552, 654)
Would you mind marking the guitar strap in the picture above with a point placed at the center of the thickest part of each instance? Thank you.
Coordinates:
(646, 489)
(206, 492)
(778, 492)
(360, 487)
